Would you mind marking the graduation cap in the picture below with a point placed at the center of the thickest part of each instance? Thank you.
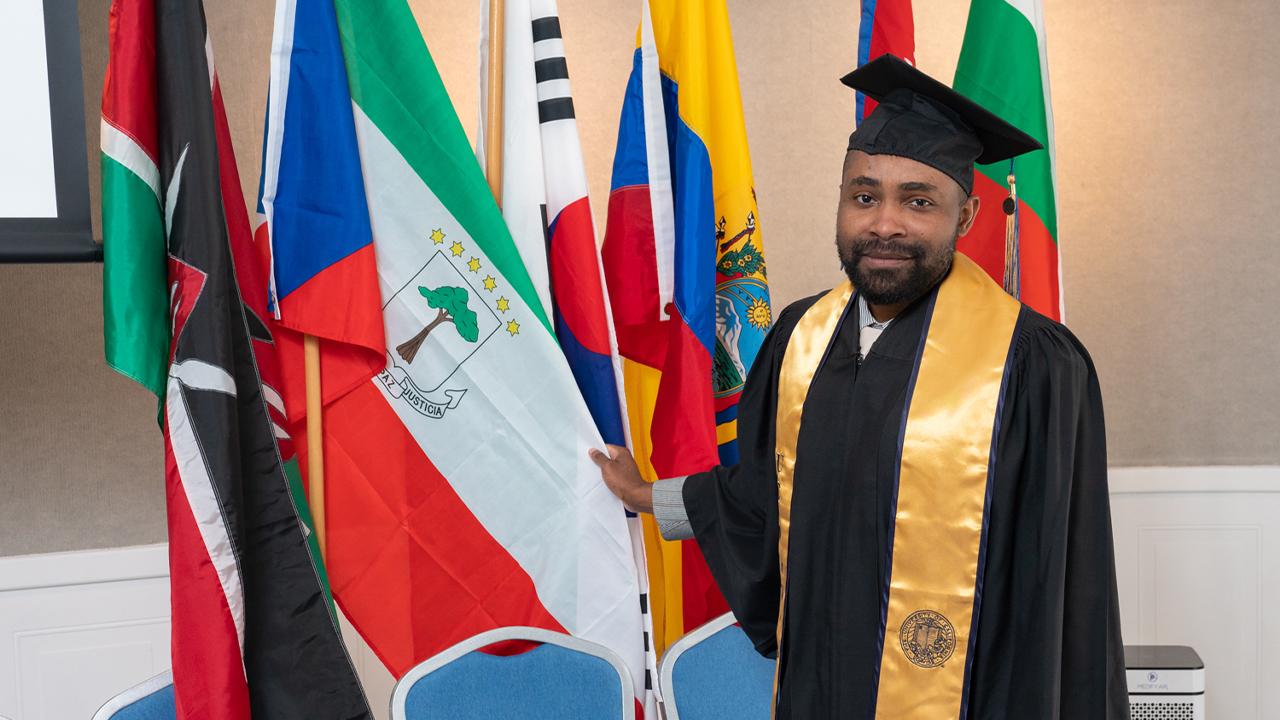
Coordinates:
(924, 120)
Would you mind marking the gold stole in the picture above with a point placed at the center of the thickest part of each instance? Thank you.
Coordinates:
(946, 445)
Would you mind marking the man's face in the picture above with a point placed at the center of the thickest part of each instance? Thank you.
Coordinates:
(897, 226)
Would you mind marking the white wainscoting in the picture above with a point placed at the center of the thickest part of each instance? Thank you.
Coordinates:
(77, 628)
(1197, 558)
(1198, 563)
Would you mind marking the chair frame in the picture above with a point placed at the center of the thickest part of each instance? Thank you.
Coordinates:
(133, 695)
(401, 693)
(667, 665)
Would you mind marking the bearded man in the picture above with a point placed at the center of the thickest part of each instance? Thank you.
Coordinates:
(919, 524)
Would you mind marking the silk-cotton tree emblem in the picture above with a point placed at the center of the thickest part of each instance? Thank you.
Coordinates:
(451, 307)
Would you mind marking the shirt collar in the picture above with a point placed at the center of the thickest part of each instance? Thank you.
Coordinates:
(866, 319)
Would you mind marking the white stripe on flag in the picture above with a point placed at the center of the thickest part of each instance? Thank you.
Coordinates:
(273, 398)
(655, 140)
(174, 189)
(550, 89)
(549, 48)
(559, 522)
(197, 485)
(208, 59)
(277, 97)
(123, 149)
(523, 192)
(200, 375)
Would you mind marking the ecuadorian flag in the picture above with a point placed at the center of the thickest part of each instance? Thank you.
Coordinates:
(685, 267)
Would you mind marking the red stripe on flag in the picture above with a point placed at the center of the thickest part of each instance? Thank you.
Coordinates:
(208, 669)
(351, 347)
(129, 88)
(894, 32)
(684, 418)
(412, 568)
(683, 429)
(1037, 254)
(701, 596)
(575, 277)
(630, 261)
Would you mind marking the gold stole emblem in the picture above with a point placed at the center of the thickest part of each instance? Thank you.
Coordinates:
(942, 482)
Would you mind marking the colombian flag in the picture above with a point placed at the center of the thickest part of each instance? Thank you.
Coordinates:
(685, 268)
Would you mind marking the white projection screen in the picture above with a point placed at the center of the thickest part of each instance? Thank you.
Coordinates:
(44, 185)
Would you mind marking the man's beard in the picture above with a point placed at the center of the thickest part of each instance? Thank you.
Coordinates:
(890, 287)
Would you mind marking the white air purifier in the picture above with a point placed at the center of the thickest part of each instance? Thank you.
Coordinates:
(1166, 682)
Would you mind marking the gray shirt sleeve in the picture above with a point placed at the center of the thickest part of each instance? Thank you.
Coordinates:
(668, 509)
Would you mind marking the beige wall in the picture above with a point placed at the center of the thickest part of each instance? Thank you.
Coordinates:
(1168, 170)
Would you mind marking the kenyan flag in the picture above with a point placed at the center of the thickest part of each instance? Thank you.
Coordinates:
(185, 302)
(1003, 66)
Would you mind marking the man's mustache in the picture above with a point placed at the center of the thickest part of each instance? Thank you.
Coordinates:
(862, 248)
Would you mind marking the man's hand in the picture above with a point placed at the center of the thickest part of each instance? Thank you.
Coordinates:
(622, 476)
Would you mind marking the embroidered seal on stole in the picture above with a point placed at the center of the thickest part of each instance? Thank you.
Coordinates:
(927, 638)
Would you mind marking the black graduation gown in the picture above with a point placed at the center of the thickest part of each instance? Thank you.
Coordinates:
(1048, 629)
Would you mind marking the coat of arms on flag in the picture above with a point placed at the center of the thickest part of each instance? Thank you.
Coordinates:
(743, 314)
(459, 308)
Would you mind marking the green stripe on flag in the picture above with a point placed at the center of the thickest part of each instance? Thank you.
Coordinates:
(135, 303)
(999, 68)
(395, 82)
(293, 475)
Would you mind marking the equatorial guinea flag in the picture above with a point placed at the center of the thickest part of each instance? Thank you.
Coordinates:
(251, 632)
(1004, 67)
(545, 204)
(460, 493)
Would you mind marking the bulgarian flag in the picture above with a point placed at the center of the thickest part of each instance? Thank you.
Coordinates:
(1004, 67)
(459, 489)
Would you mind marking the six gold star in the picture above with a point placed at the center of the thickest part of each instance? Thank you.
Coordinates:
(513, 327)
(503, 304)
(456, 248)
(437, 236)
(490, 283)
(474, 264)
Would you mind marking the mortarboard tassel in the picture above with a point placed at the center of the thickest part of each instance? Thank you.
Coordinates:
(1012, 271)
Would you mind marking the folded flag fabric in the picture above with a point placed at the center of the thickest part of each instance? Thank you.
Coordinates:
(684, 260)
(1004, 66)
(459, 490)
(252, 635)
(884, 26)
(545, 204)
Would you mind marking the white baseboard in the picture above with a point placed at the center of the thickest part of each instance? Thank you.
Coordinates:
(1196, 556)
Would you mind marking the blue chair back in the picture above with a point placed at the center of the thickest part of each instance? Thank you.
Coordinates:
(564, 677)
(149, 700)
(715, 672)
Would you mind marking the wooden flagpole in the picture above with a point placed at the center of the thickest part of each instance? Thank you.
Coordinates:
(493, 99)
(315, 439)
